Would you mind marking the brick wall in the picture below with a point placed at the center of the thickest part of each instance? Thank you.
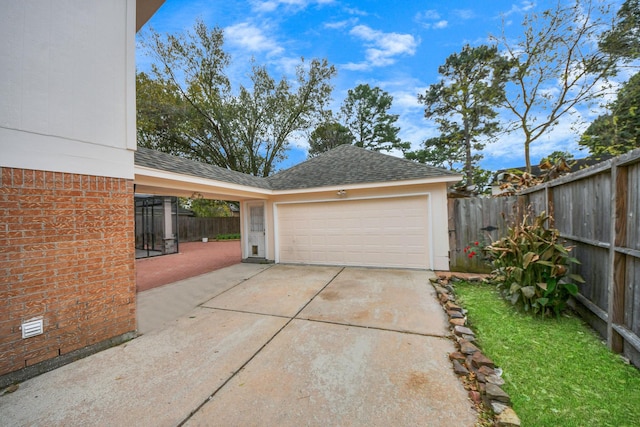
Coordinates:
(67, 255)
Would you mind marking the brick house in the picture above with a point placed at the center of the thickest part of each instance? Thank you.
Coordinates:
(69, 167)
(67, 142)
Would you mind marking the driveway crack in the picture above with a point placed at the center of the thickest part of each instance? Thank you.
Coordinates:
(233, 375)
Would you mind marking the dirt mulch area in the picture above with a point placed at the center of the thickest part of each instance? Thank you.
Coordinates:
(194, 259)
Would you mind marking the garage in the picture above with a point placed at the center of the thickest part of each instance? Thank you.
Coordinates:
(380, 232)
(347, 206)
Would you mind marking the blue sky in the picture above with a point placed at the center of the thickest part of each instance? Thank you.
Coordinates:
(395, 45)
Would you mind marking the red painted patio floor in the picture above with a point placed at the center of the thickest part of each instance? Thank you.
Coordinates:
(194, 259)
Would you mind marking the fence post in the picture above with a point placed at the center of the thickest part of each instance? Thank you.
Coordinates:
(548, 205)
(617, 260)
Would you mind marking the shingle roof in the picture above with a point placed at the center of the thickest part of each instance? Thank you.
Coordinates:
(348, 164)
(343, 165)
(166, 162)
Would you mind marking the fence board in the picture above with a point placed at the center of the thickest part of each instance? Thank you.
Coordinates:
(192, 229)
(598, 211)
(477, 219)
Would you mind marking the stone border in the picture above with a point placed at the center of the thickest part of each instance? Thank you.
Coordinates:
(477, 372)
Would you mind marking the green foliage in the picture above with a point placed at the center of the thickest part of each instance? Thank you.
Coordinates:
(202, 117)
(205, 208)
(160, 115)
(558, 67)
(618, 131)
(531, 267)
(557, 371)
(441, 151)
(557, 157)
(463, 105)
(623, 40)
(231, 236)
(365, 113)
(327, 136)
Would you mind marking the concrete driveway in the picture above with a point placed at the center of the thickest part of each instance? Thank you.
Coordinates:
(283, 345)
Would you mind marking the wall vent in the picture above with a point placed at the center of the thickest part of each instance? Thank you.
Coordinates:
(32, 327)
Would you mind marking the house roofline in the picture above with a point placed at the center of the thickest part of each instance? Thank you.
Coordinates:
(151, 177)
(370, 185)
(145, 9)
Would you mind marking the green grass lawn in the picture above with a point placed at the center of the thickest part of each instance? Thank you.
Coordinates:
(557, 371)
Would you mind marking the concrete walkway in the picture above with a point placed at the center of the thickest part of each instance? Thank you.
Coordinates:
(272, 346)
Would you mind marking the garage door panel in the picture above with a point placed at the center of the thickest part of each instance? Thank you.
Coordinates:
(389, 232)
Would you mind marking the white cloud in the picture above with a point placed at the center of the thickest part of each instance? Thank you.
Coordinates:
(356, 11)
(337, 25)
(521, 8)
(382, 48)
(440, 25)
(271, 5)
(428, 15)
(464, 14)
(431, 19)
(251, 38)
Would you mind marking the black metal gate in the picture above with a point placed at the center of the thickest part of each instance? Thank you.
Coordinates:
(155, 233)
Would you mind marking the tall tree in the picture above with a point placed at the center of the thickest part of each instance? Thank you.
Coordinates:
(246, 130)
(440, 151)
(365, 114)
(463, 103)
(623, 40)
(327, 136)
(160, 112)
(618, 131)
(557, 68)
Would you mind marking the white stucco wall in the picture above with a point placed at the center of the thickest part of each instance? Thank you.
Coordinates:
(67, 86)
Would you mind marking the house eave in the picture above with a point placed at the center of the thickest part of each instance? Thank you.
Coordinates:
(371, 185)
(146, 179)
(145, 9)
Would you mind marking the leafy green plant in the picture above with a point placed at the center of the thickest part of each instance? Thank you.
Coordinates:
(231, 236)
(531, 266)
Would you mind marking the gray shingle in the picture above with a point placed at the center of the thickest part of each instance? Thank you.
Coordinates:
(343, 165)
(166, 162)
(348, 164)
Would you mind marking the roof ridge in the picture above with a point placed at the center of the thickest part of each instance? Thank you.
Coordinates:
(343, 165)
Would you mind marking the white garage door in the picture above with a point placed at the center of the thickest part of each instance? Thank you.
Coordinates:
(390, 232)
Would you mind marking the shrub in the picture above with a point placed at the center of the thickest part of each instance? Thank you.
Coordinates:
(232, 236)
(531, 265)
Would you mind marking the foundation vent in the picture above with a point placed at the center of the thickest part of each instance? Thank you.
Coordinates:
(32, 327)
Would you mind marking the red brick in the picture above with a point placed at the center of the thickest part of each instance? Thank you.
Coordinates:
(70, 248)
(41, 356)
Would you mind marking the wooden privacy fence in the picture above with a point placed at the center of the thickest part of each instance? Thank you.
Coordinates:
(191, 229)
(480, 220)
(597, 210)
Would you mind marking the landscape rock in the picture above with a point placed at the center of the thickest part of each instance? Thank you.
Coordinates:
(450, 306)
(486, 370)
(455, 314)
(456, 355)
(498, 407)
(459, 369)
(480, 359)
(494, 392)
(468, 348)
(440, 290)
(475, 396)
(494, 379)
(463, 330)
(508, 418)
(457, 322)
